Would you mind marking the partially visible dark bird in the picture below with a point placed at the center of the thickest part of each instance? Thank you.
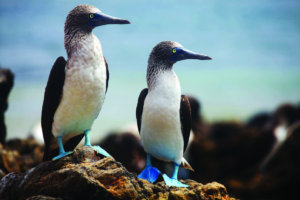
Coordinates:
(6, 84)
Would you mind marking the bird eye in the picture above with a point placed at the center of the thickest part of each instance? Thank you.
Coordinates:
(174, 50)
(91, 16)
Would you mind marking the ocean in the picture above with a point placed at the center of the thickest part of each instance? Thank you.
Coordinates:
(255, 46)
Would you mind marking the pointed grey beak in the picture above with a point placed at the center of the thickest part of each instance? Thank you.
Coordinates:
(100, 19)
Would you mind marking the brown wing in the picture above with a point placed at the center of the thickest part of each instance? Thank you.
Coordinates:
(185, 119)
(140, 107)
(52, 97)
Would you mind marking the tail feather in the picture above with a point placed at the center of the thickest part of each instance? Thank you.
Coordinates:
(186, 165)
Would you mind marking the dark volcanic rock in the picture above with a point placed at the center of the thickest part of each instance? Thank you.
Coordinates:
(229, 150)
(40, 197)
(84, 175)
(282, 174)
(127, 149)
(6, 83)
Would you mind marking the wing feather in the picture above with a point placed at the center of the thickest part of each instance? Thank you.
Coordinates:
(52, 97)
(107, 74)
(140, 107)
(185, 119)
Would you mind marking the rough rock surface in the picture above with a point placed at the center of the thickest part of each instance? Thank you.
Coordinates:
(84, 175)
(19, 155)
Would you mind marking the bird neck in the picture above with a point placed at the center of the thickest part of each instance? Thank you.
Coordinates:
(73, 36)
(161, 77)
(155, 68)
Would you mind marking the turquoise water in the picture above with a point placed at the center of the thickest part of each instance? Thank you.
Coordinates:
(255, 46)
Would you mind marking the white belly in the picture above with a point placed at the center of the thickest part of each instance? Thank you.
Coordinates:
(83, 94)
(161, 130)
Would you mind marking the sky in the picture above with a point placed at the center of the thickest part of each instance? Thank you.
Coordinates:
(255, 46)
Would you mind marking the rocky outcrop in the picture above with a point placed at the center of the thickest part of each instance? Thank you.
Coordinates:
(84, 175)
(19, 155)
(127, 149)
(282, 174)
(6, 83)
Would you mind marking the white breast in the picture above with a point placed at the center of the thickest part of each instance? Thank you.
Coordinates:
(161, 129)
(83, 91)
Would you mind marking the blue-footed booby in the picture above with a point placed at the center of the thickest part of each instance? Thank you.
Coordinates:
(163, 114)
(76, 88)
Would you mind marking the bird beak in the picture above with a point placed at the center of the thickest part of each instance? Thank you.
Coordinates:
(187, 54)
(103, 19)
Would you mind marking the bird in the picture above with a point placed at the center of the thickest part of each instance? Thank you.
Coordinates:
(76, 88)
(163, 114)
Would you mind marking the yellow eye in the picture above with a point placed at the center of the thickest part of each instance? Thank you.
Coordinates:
(91, 16)
(174, 50)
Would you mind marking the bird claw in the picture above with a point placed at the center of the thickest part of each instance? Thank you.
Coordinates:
(62, 155)
(150, 174)
(173, 182)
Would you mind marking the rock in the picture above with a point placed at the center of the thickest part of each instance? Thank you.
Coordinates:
(10, 160)
(19, 155)
(6, 83)
(242, 156)
(40, 197)
(259, 121)
(229, 150)
(84, 175)
(281, 176)
(127, 149)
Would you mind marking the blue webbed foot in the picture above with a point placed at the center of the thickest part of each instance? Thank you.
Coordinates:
(96, 148)
(62, 155)
(100, 150)
(150, 174)
(173, 182)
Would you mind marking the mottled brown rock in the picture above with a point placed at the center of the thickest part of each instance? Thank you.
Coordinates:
(84, 175)
(30, 150)
(10, 160)
(19, 155)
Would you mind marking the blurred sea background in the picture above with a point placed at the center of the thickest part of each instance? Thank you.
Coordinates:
(255, 46)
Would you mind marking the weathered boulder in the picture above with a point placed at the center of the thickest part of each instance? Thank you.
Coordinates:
(19, 155)
(84, 175)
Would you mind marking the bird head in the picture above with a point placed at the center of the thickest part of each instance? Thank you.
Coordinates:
(169, 52)
(87, 17)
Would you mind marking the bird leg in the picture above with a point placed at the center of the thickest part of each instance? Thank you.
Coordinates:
(149, 173)
(173, 181)
(62, 152)
(98, 149)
